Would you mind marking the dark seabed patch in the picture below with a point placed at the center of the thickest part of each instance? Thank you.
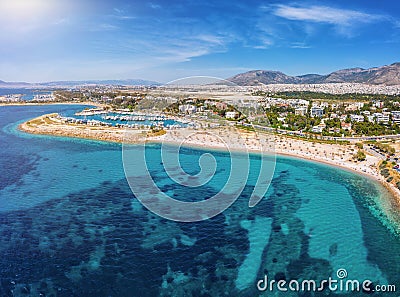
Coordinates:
(97, 240)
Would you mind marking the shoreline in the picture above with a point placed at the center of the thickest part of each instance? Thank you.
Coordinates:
(389, 187)
(42, 126)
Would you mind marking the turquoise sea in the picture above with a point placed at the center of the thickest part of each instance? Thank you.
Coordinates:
(70, 225)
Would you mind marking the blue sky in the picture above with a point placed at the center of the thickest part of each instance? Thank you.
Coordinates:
(45, 40)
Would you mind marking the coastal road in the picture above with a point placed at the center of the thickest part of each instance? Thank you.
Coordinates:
(374, 153)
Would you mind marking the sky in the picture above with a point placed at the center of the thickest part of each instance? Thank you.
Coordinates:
(50, 40)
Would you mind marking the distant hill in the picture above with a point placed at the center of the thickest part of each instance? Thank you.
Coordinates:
(68, 84)
(121, 82)
(4, 84)
(256, 77)
(385, 75)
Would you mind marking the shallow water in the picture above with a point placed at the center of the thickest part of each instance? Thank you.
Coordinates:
(70, 225)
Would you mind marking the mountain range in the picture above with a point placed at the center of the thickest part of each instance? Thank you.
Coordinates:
(4, 84)
(68, 84)
(385, 75)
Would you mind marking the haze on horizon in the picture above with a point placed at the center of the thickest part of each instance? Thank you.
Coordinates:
(46, 40)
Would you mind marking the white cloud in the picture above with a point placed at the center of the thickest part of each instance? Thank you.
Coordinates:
(121, 14)
(61, 21)
(184, 48)
(265, 43)
(324, 14)
(154, 5)
(182, 55)
(300, 45)
(102, 27)
(163, 48)
(211, 39)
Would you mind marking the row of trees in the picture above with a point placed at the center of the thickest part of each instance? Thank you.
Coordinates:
(374, 129)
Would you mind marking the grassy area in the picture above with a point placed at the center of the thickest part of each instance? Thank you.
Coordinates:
(314, 140)
(156, 133)
(42, 120)
(48, 121)
(37, 121)
(245, 128)
(391, 175)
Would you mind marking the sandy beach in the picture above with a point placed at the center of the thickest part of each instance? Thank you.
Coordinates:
(225, 138)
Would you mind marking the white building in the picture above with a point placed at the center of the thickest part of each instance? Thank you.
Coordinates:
(382, 118)
(231, 114)
(187, 108)
(345, 126)
(360, 104)
(317, 111)
(316, 129)
(297, 102)
(357, 118)
(334, 116)
(396, 116)
(319, 128)
(281, 119)
(300, 111)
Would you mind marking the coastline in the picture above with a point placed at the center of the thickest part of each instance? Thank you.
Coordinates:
(334, 154)
(389, 187)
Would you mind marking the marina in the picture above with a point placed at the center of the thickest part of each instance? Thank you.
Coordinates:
(124, 119)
